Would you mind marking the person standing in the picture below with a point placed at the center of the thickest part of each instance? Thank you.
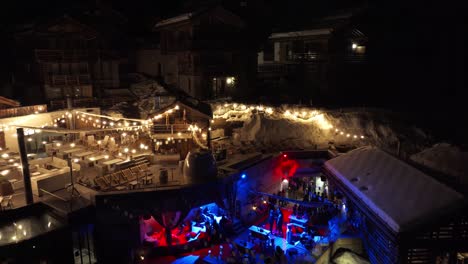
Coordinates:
(271, 219)
(279, 222)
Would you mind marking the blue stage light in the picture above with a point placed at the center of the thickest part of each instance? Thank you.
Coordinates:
(243, 176)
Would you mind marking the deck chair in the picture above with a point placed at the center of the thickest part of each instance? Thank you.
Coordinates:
(115, 179)
(7, 202)
(122, 177)
(108, 178)
(91, 142)
(130, 176)
(136, 170)
(105, 141)
(101, 182)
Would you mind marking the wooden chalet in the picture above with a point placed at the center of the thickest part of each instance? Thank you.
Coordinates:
(403, 215)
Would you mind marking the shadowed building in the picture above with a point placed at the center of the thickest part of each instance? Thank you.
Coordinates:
(204, 53)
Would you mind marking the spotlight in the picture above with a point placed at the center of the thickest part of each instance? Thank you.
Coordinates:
(243, 176)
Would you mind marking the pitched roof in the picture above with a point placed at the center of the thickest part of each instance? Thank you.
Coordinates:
(399, 194)
(192, 103)
(233, 18)
(9, 102)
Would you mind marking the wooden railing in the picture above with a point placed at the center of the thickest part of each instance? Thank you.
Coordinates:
(169, 129)
(21, 111)
(68, 80)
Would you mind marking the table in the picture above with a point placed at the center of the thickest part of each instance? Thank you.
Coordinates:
(72, 150)
(82, 155)
(111, 162)
(100, 157)
(302, 222)
(259, 232)
(132, 185)
(244, 244)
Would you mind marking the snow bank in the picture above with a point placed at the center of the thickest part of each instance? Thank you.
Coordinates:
(290, 127)
(445, 158)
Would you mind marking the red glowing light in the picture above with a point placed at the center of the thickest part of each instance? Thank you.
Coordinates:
(284, 155)
(286, 168)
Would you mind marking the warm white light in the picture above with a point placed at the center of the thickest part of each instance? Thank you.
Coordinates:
(179, 134)
(48, 224)
(4, 172)
(126, 150)
(133, 150)
(62, 121)
(44, 142)
(229, 80)
(29, 139)
(176, 107)
(76, 160)
(11, 160)
(99, 142)
(362, 136)
(58, 144)
(354, 46)
(106, 156)
(124, 134)
(72, 145)
(92, 159)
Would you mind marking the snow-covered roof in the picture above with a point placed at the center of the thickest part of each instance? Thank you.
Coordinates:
(304, 33)
(174, 20)
(398, 193)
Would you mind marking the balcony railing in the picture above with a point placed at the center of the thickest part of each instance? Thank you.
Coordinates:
(309, 56)
(21, 111)
(61, 55)
(68, 80)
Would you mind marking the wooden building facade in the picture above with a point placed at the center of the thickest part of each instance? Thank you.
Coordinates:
(63, 58)
(205, 53)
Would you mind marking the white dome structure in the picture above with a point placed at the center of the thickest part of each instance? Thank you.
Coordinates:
(199, 167)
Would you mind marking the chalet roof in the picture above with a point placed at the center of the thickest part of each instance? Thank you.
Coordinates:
(398, 193)
(62, 24)
(304, 33)
(192, 103)
(195, 14)
(9, 102)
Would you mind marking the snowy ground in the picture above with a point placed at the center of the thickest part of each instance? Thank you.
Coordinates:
(445, 158)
